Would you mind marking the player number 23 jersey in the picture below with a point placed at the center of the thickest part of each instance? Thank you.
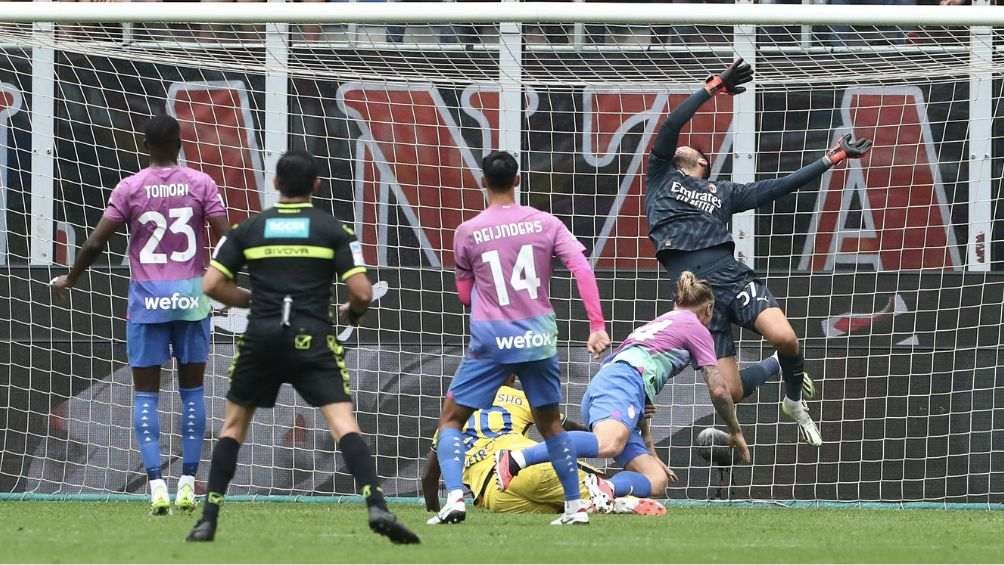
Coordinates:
(166, 209)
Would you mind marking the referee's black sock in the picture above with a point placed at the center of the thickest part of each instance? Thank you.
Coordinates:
(360, 462)
(221, 471)
(792, 373)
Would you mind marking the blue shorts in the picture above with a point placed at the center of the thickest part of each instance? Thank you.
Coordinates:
(617, 393)
(477, 381)
(152, 345)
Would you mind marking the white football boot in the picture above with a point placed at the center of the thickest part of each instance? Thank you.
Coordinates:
(799, 412)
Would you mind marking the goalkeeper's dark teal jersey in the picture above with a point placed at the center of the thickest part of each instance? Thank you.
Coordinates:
(687, 213)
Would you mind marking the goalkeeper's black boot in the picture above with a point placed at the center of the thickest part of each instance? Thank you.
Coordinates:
(387, 524)
(204, 530)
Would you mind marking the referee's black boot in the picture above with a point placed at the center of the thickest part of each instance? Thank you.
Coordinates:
(387, 524)
(204, 530)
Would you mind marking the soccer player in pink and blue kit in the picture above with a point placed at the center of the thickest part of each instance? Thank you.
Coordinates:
(617, 396)
(166, 207)
(503, 269)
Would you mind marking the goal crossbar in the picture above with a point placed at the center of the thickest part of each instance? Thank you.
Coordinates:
(544, 12)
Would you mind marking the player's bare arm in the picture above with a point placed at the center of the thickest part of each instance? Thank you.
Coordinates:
(572, 426)
(721, 398)
(360, 296)
(88, 253)
(222, 288)
(220, 225)
(430, 481)
(645, 427)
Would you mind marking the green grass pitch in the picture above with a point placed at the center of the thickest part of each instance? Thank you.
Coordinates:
(121, 532)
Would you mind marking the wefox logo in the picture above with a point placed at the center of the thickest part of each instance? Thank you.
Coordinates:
(529, 339)
(176, 301)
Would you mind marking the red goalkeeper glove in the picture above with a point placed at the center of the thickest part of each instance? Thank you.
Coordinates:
(738, 73)
(847, 148)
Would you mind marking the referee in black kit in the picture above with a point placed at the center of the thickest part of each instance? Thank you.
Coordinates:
(293, 252)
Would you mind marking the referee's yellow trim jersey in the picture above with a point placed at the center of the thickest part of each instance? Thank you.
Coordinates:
(292, 250)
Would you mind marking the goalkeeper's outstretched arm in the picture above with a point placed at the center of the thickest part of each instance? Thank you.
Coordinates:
(729, 82)
(756, 194)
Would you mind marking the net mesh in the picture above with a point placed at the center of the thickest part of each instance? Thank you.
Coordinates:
(881, 265)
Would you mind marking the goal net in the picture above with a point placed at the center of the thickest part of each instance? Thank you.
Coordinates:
(886, 266)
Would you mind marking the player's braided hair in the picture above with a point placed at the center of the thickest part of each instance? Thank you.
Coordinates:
(692, 291)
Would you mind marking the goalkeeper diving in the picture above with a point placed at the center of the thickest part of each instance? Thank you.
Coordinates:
(688, 217)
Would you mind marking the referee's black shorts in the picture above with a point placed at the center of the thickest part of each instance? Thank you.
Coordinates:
(268, 355)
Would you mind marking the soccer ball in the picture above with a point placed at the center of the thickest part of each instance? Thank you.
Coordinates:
(713, 447)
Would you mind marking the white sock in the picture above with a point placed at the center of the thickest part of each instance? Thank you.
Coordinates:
(157, 484)
(573, 506)
(455, 496)
(517, 456)
(186, 480)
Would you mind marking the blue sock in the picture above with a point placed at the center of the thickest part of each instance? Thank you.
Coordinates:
(563, 458)
(147, 425)
(758, 374)
(631, 483)
(450, 453)
(536, 454)
(193, 428)
(586, 445)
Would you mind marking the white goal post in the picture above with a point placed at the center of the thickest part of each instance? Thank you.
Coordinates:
(888, 267)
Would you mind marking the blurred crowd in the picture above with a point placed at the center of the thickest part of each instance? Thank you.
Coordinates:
(554, 34)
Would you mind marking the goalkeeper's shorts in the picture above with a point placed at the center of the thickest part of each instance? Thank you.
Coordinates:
(740, 297)
(312, 361)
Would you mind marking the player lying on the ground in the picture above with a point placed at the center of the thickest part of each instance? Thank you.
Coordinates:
(503, 261)
(616, 399)
(166, 207)
(505, 426)
(292, 252)
(688, 218)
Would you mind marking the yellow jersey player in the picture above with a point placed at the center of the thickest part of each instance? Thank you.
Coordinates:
(505, 425)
